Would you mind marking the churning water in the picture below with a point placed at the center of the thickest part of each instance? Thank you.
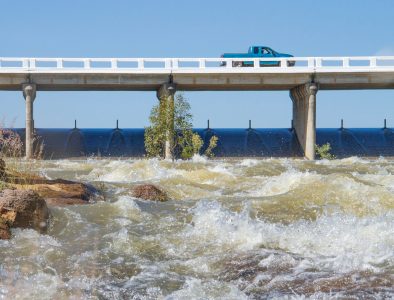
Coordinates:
(234, 229)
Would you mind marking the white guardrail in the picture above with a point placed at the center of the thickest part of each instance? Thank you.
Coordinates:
(261, 65)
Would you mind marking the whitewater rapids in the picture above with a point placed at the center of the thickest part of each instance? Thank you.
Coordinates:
(233, 229)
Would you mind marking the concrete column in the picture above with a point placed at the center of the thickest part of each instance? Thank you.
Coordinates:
(166, 94)
(29, 92)
(304, 116)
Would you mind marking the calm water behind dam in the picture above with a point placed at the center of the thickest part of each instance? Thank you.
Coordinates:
(233, 229)
(364, 142)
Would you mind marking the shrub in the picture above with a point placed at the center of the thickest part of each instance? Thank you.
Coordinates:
(17, 169)
(213, 142)
(323, 151)
(10, 143)
(197, 143)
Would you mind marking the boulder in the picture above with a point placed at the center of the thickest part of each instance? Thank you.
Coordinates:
(5, 233)
(24, 209)
(149, 192)
(61, 192)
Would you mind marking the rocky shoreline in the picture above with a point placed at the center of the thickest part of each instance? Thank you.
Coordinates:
(26, 200)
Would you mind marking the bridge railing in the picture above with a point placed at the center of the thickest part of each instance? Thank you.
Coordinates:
(280, 64)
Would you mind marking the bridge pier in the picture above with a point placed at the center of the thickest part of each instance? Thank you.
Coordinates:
(166, 94)
(304, 116)
(29, 93)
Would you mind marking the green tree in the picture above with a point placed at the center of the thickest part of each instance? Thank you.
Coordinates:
(183, 142)
(161, 128)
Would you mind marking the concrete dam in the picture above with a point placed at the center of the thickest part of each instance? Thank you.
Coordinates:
(237, 142)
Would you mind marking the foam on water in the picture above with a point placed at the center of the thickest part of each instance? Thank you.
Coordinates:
(199, 159)
(249, 162)
(233, 229)
(335, 242)
(136, 171)
(197, 289)
(283, 183)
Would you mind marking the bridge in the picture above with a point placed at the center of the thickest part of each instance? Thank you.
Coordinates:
(303, 77)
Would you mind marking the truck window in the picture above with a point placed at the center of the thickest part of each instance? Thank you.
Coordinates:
(256, 50)
(264, 51)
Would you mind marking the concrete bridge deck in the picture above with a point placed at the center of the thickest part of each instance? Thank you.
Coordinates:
(195, 74)
(303, 77)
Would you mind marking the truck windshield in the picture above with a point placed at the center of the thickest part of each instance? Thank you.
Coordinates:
(273, 52)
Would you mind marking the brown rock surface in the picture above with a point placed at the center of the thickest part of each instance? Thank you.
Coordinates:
(24, 208)
(5, 233)
(58, 192)
(61, 192)
(149, 192)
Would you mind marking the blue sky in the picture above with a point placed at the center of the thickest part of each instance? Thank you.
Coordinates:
(175, 28)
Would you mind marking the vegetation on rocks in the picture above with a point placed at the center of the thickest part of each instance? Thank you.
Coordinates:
(184, 142)
(2, 174)
(323, 151)
(13, 167)
(10, 143)
(25, 194)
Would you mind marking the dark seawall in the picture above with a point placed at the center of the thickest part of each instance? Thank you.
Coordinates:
(63, 143)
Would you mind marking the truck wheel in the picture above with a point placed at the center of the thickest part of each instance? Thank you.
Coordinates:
(237, 64)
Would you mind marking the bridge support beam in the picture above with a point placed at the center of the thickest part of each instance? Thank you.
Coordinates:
(166, 94)
(29, 92)
(304, 116)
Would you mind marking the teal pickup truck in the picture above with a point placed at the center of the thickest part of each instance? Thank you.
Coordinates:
(257, 52)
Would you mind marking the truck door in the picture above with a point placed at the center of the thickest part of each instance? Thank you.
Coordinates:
(267, 53)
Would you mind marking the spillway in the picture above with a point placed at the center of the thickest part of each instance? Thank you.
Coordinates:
(233, 142)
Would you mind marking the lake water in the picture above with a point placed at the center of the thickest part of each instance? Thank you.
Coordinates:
(232, 142)
(233, 229)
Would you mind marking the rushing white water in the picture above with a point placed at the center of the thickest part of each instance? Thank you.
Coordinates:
(233, 229)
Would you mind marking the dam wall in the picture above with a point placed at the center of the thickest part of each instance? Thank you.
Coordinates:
(236, 142)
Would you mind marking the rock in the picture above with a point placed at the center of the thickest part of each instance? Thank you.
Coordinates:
(65, 201)
(57, 192)
(24, 208)
(5, 233)
(149, 192)
(61, 192)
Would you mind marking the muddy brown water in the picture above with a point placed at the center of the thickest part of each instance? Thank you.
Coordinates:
(234, 229)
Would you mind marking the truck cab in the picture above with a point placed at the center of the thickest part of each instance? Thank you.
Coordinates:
(257, 52)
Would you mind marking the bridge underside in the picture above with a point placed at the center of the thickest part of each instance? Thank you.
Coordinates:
(196, 81)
